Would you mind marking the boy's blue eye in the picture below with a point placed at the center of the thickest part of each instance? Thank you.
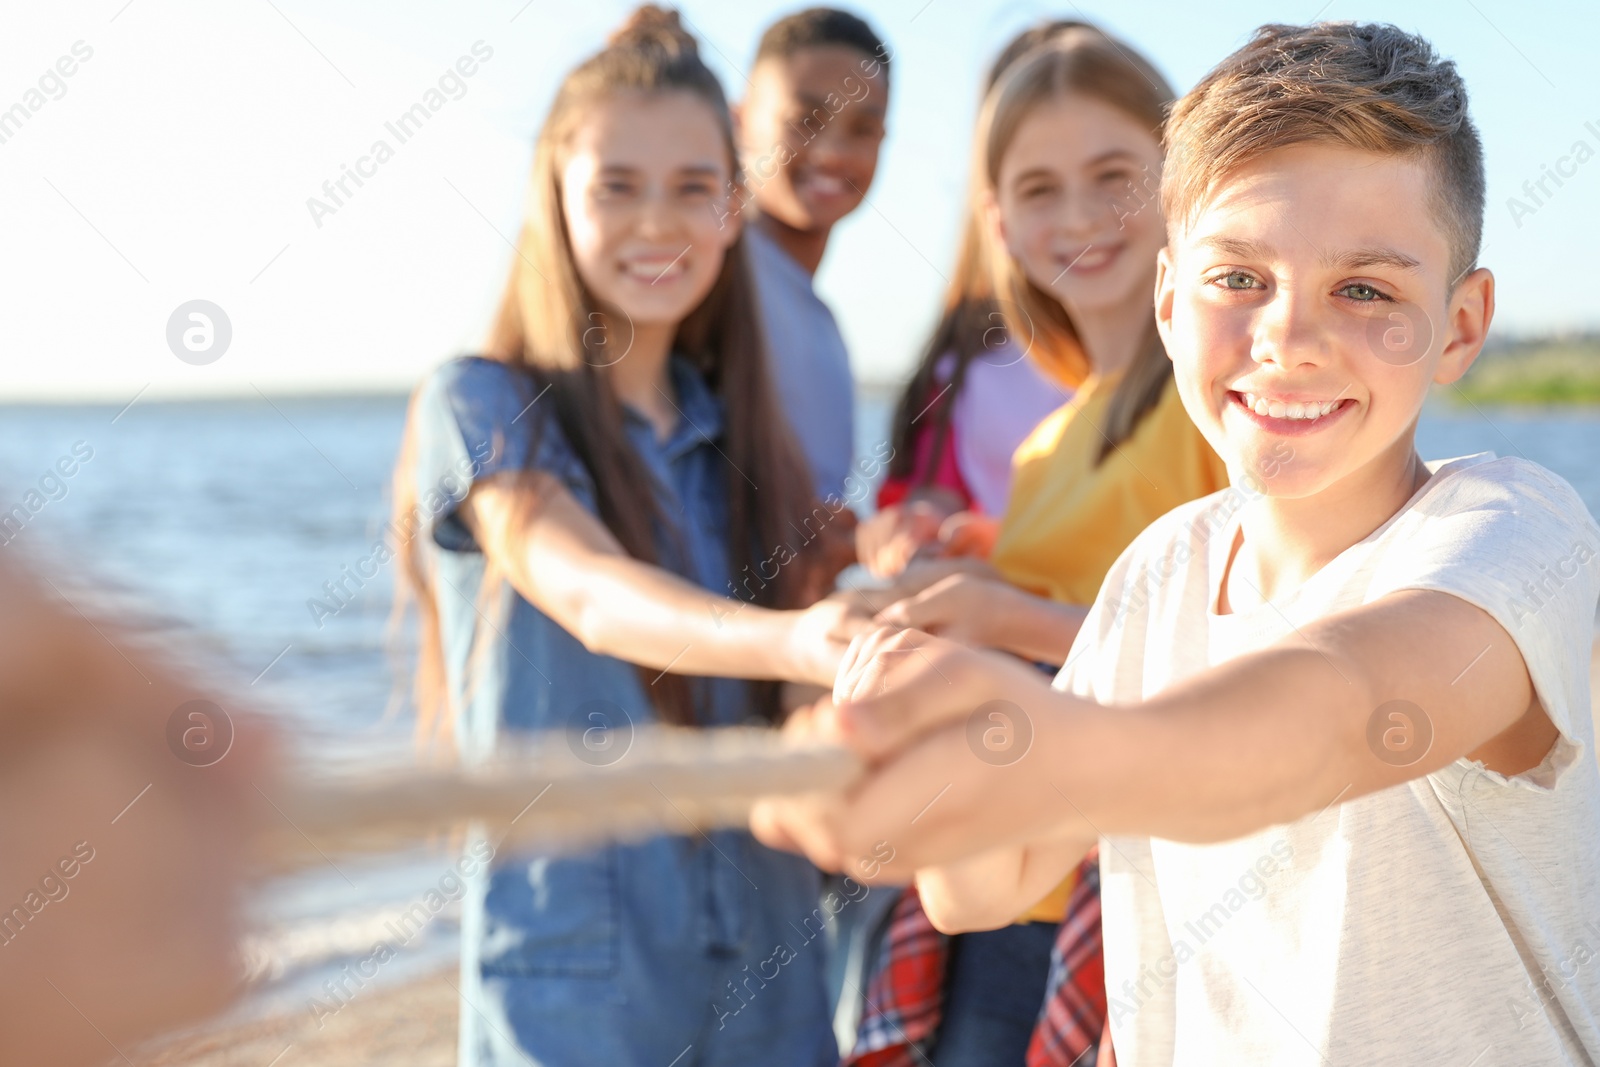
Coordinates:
(1244, 280)
(1361, 293)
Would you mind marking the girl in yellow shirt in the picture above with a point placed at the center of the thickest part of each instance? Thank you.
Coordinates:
(1069, 164)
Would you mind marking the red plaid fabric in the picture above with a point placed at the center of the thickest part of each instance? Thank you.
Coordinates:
(905, 998)
(906, 994)
(1074, 1013)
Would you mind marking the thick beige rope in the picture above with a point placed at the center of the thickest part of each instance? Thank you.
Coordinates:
(554, 794)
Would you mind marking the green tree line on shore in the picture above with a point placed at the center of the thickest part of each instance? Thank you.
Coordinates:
(1562, 369)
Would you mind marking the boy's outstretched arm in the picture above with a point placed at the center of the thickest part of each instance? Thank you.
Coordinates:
(1357, 702)
(1263, 739)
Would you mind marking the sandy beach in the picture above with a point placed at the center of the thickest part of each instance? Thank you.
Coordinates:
(412, 1024)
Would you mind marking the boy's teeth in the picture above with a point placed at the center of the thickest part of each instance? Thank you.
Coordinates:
(1277, 409)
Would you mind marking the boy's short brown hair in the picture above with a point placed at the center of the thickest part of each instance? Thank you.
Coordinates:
(1369, 86)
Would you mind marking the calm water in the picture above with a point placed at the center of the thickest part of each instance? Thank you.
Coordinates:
(219, 521)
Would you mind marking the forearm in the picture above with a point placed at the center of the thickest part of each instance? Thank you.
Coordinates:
(1208, 760)
(1266, 738)
(1248, 744)
(564, 562)
(641, 613)
(917, 577)
(1035, 628)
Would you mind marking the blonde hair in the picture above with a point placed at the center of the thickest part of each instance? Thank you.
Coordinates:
(1083, 61)
(969, 313)
(1368, 86)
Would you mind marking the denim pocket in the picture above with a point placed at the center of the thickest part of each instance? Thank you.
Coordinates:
(553, 915)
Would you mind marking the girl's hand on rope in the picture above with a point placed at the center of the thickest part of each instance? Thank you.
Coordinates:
(889, 540)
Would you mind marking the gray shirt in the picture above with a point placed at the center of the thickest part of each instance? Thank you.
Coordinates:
(811, 363)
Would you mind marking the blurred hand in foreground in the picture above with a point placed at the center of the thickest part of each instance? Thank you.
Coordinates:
(124, 835)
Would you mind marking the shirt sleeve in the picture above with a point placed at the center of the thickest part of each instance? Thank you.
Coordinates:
(1515, 540)
(475, 418)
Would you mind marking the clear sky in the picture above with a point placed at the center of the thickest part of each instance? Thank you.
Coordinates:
(175, 163)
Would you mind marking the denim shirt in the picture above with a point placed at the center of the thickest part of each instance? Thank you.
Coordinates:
(625, 954)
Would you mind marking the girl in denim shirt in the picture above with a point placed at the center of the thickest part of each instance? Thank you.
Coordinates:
(613, 526)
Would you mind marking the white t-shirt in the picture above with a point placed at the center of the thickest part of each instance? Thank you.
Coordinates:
(1454, 919)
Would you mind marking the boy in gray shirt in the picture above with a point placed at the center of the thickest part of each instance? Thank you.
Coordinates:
(810, 129)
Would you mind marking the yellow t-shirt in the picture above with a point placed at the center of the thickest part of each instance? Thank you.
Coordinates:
(1068, 520)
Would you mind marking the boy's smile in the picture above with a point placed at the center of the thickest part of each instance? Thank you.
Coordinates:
(811, 128)
(1289, 416)
(1310, 297)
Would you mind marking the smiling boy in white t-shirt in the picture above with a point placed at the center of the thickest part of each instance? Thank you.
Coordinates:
(1331, 726)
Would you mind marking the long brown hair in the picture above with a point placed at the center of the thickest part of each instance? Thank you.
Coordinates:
(551, 328)
(970, 322)
(1082, 60)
